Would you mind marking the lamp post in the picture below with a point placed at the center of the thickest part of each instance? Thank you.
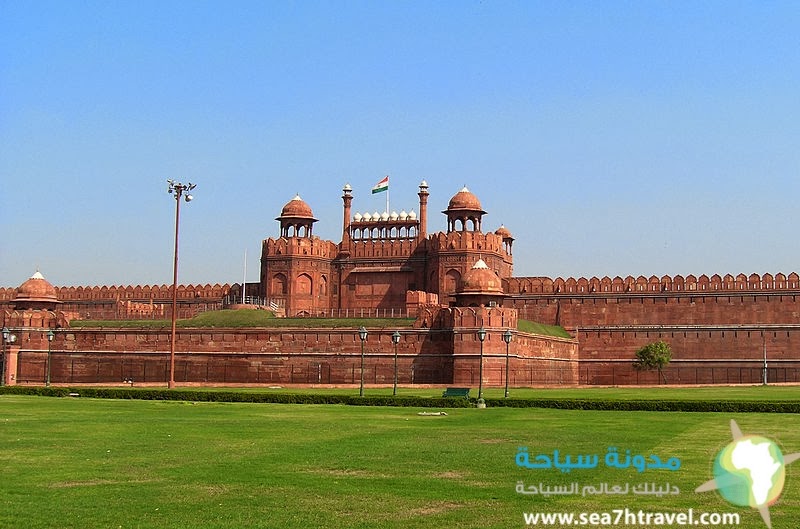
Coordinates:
(764, 336)
(50, 336)
(395, 341)
(8, 337)
(362, 333)
(507, 337)
(178, 190)
(481, 337)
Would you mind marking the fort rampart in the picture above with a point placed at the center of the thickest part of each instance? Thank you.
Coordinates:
(720, 328)
(291, 356)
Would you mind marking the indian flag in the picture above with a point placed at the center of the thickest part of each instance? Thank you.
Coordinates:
(381, 186)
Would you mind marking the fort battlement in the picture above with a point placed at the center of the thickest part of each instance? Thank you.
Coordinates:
(161, 293)
(653, 284)
(382, 248)
(722, 328)
(300, 246)
(467, 240)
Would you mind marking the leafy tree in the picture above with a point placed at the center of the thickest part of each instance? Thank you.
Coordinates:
(654, 355)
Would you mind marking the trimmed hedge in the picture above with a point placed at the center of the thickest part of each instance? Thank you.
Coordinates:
(237, 396)
(728, 406)
(740, 406)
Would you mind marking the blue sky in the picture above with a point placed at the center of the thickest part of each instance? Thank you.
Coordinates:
(612, 138)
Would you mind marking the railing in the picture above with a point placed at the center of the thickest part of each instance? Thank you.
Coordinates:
(354, 313)
(248, 300)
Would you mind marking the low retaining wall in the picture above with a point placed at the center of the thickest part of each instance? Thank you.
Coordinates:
(296, 356)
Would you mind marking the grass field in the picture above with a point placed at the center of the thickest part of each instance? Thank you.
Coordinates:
(83, 463)
(248, 319)
(748, 393)
(263, 318)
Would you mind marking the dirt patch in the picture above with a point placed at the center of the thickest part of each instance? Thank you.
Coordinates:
(451, 474)
(95, 483)
(493, 441)
(346, 473)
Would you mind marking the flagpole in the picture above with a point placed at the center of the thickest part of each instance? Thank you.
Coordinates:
(387, 198)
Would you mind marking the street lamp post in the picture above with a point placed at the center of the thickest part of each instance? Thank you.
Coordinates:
(50, 336)
(481, 337)
(178, 190)
(8, 337)
(395, 341)
(362, 333)
(507, 337)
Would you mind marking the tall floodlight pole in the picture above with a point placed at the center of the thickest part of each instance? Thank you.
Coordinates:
(481, 337)
(178, 190)
(362, 334)
(50, 336)
(395, 341)
(244, 278)
(507, 337)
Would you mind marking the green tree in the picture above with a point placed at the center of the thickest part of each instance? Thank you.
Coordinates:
(654, 355)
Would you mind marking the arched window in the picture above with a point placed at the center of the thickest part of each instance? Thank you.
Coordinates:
(303, 284)
(279, 285)
(451, 279)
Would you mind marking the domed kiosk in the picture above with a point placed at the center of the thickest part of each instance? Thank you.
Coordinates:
(464, 207)
(36, 294)
(480, 286)
(296, 215)
(505, 234)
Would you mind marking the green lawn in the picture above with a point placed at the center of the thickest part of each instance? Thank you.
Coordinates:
(746, 393)
(541, 328)
(84, 463)
(248, 318)
(263, 318)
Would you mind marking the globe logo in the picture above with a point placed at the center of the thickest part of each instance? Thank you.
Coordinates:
(750, 472)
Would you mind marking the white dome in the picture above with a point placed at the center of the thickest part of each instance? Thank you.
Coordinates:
(376, 216)
(384, 216)
(394, 215)
(357, 217)
(367, 217)
(412, 215)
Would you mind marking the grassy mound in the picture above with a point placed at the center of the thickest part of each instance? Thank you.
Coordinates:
(245, 319)
(540, 328)
(264, 318)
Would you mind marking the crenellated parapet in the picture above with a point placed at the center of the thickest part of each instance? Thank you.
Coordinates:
(653, 284)
(383, 249)
(466, 241)
(140, 292)
(34, 319)
(487, 317)
(299, 246)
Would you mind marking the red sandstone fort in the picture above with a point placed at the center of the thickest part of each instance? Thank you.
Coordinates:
(722, 329)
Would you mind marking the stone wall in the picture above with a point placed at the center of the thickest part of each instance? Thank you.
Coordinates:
(721, 308)
(641, 284)
(724, 354)
(289, 356)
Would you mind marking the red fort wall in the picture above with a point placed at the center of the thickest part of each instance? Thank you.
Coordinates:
(718, 327)
(292, 356)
